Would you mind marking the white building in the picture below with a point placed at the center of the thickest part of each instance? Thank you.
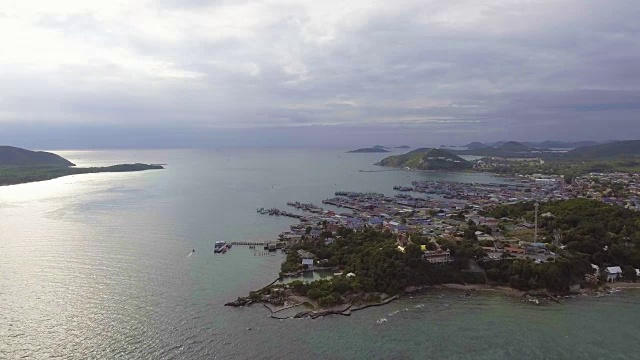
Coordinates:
(613, 273)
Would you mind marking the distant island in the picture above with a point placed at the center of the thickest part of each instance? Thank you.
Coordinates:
(517, 158)
(19, 166)
(427, 159)
(548, 144)
(403, 147)
(373, 149)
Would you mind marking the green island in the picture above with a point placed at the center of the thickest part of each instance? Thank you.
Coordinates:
(427, 159)
(373, 149)
(19, 166)
(371, 268)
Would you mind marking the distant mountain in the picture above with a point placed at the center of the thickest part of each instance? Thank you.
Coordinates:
(548, 144)
(403, 147)
(477, 145)
(375, 149)
(427, 159)
(379, 147)
(496, 144)
(560, 144)
(512, 146)
(608, 150)
(13, 156)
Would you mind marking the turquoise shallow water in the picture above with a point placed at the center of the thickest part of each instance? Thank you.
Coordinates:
(97, 266)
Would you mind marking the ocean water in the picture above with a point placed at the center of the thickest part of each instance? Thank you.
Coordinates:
(98, 266)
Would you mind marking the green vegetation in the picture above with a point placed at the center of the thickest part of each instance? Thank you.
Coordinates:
(427, 159)
(524, 274)
(379, 267)
(11, 175)
(592, 232)
(13, 156)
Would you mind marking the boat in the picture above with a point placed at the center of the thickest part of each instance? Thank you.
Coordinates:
(219, 246)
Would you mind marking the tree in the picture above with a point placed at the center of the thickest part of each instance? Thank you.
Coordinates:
(629, 273)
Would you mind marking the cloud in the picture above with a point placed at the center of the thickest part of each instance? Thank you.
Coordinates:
(458, 69)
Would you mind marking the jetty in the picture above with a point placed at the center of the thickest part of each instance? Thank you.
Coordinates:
(278, 212)
(249, 242)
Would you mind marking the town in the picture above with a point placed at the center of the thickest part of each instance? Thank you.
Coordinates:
(452, 211)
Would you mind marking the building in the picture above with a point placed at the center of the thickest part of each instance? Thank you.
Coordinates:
(437, 256)
(613, 273)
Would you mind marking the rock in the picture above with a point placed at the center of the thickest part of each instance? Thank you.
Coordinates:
(239, 302)
(302, 314)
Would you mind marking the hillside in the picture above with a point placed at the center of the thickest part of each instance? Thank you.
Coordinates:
(607, 151)
(13, 156)
(427, 159)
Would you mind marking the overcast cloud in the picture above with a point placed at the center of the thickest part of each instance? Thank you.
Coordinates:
(174, 73)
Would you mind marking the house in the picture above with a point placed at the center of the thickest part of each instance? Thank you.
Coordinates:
(308, 263)
(527, 225)
(514, 250)
(305, 254)
(536, 248)
(613, 273)
(484, 237)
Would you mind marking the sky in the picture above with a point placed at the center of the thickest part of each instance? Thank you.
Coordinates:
(212, 73)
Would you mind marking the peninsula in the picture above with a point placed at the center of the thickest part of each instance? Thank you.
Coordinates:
(19, 166)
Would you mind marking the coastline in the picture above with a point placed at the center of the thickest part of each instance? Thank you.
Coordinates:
(313, 310)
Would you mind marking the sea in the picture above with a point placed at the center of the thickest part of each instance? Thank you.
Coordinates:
(100, 266)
